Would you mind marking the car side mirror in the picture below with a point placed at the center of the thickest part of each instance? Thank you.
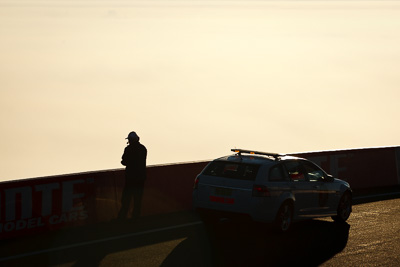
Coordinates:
(329, 178)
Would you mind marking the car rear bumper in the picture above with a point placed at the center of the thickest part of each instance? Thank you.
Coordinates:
(259, 209)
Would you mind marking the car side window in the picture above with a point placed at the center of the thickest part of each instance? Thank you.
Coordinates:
(313, 172)
(277, 174)
(295, 171)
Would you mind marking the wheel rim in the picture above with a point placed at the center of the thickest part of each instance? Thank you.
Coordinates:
(286, 218)
(345, 207)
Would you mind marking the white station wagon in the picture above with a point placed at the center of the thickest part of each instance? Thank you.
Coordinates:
(269, 187)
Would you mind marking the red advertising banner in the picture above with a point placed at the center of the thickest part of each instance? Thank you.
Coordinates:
(40, 204)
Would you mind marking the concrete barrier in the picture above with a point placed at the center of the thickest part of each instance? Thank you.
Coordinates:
(48, 203)
(362, 168)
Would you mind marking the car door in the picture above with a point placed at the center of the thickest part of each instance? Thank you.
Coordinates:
(306, 200)
(319, 185)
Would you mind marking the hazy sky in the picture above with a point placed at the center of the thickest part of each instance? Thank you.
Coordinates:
(193, 78)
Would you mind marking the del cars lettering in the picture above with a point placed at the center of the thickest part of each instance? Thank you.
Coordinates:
(36, 206)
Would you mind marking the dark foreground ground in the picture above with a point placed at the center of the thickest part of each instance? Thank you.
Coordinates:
(371, 237)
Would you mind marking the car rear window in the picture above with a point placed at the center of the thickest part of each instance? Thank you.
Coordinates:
(232, 170)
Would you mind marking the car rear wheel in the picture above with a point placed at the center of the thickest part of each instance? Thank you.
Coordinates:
(344, 208)
(284, 217)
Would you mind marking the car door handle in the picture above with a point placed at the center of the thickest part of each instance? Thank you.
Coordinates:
(316, 186)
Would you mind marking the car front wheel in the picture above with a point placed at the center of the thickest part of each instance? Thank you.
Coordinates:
(344, 208)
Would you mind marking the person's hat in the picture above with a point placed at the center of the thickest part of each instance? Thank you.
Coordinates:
(133, 136)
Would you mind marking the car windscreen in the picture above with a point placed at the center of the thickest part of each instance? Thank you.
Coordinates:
(233, 170)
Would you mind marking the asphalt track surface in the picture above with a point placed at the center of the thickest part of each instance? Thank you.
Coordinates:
(371, 237)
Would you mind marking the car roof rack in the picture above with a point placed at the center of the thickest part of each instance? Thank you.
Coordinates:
(239, 152)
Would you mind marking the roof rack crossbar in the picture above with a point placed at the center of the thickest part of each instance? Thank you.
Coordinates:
(276, 156)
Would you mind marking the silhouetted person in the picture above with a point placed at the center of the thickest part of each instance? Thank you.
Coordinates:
(134, 158)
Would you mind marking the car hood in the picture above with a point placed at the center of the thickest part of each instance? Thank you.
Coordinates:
(341, 182)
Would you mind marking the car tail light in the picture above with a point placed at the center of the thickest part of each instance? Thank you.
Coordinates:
(260, 191)
(196, 183)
